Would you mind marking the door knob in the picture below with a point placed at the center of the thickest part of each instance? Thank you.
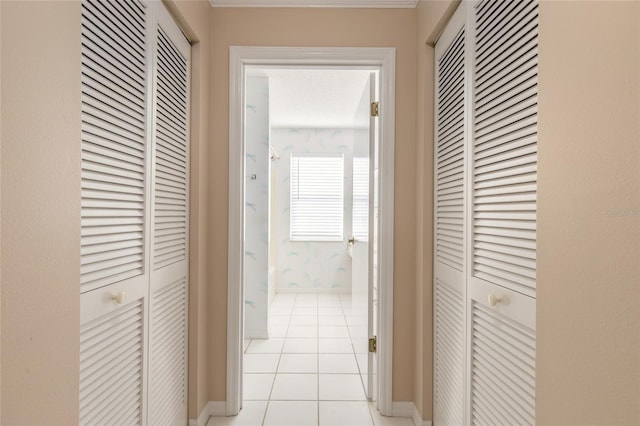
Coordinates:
(118, 297)
(493, 299)
(351, 240)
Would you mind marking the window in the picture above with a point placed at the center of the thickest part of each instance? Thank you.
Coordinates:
(317, 198)
(361, 198)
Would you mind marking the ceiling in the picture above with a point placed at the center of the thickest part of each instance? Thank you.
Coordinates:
(316, 3)
(301, 97)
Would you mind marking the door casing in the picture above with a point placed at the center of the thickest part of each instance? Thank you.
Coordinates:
(239, 58)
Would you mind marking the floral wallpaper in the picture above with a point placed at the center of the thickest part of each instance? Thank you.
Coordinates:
(312, 265)
(256, 243)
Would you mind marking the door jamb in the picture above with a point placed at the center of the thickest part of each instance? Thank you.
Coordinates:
(239, 57)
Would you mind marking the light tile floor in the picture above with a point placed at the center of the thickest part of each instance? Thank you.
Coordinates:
(307, 372)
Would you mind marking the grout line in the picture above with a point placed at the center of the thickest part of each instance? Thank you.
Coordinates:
(317, 315)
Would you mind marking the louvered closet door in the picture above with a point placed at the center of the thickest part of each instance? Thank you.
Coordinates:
(114, 269)
(449, 258)
(503, 280)
(169, 236)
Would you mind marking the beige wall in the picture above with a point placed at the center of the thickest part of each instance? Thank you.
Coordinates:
(40, 212)
(588, 306)
(431, 19)
(318, 27)
(194, 19)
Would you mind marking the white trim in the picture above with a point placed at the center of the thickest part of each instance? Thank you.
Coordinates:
(235, 289)
(386, 176)
(216, 408)
(408, 409)
(239, 58)
(375, 4)
(256, 334)
(211, 409)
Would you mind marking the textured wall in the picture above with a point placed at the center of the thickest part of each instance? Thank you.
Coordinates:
(588, 297)
(40, 212)
(312, 265)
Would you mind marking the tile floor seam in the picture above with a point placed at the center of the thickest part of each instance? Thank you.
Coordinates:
(325, 318)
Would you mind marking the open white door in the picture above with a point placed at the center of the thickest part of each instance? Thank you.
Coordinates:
(362, 321)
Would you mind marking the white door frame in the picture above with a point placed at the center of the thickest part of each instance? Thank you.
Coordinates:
(239, 58)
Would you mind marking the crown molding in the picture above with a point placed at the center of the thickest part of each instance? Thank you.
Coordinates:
(373, 4)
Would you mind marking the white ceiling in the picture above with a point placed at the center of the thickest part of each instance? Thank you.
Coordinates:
(314, 98)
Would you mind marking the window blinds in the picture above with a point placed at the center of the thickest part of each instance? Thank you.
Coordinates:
(317, 200)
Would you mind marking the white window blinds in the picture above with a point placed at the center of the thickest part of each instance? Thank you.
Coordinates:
(317, 201)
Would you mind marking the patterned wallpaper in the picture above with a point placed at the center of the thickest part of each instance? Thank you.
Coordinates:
(323, 266)
(256, 258)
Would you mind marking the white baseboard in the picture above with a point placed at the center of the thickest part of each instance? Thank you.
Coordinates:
(314, 290)
(212, 409)
(256, 334)
(399, 409)
(217, 408)
(408, 409)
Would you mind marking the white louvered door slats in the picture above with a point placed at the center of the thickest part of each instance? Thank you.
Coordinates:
(114, 280)
(168, 335)
(449, 332)
(502, 283)
(134, 258)
(170, 198)
(116, 398)
(502, 355)
(503, 379)
(168, 348)
(113, 141)
(450, 154)
(505, 144)
(112, 366)
(450, 148)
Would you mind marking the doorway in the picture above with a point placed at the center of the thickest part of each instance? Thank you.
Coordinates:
(382, 63)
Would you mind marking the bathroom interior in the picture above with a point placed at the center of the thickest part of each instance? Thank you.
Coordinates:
(306, 266)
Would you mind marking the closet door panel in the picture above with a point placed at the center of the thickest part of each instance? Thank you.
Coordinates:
(114, 150)
(169, 223)
(112, 355)
(502, 281)
(450, 191)
(505, 144)
(502, 356)
(114, 199)
(449, 350)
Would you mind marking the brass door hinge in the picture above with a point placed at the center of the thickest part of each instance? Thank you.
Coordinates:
(373, 344)
(375, 109)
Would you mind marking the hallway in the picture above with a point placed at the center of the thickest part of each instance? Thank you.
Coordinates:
(306, 373)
